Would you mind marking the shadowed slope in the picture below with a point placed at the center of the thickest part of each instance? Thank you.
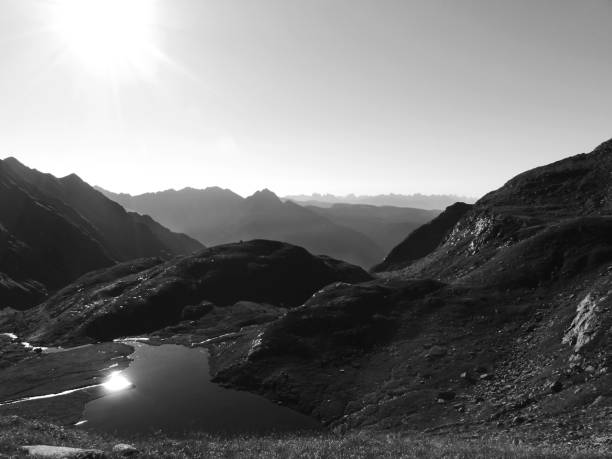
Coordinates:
(144, 296)
(424, 239)
(53, 230)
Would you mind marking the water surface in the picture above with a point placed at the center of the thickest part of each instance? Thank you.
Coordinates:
(172, 392)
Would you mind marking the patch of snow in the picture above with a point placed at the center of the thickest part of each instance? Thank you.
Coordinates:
(133, 339)
(42, 397)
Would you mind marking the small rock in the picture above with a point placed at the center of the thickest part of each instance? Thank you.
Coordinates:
(486, 376)
(435, 352)
(125, 450)
(446, 395)
(557, 386)
(463, 375)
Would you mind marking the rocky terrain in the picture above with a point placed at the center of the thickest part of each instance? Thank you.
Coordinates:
(504, 325)
(30, 376)
(53, 230)
(423, 240)
(359, 234)
(239, 284)
(493, 319)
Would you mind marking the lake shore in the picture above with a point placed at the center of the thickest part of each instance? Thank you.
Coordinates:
(27, 373)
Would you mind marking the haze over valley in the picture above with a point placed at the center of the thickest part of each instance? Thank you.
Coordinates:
(360, 234)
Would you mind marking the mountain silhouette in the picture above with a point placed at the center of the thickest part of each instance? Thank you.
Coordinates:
(417, 200)
(53, 230)
(218, 216)
(385, 225)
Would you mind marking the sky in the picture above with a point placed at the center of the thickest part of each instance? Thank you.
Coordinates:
(302, 96)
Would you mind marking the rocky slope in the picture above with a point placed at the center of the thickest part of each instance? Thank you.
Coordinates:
(235, 284)
(217, 216)
(423, 240)
(53, 230)
(504, 325)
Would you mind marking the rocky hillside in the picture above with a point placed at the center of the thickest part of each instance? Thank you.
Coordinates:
(53, 230)
(217, 216)
(424, 240)
(503, 326)
(257, 280)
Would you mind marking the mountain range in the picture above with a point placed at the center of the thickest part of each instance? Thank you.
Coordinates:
(359, 234)
(52, 230)
(493, 318)
(417, 200)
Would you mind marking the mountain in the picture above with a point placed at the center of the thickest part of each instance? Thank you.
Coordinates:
(385, 225)
(219, 284)
(502, 326)
(419, 201)
(497, 321)
(425, 239)
(52, 230)
(218, 216)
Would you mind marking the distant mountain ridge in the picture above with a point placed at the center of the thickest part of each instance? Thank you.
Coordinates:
(357, 234)
(385, 225)
(419, 201)
(52, 230)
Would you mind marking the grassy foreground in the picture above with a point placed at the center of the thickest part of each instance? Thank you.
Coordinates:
(15, 432)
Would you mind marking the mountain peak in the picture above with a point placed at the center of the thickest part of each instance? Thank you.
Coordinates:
(11, 160)
(13, 163)
(605, 146)
(264, 196)
(72, 179)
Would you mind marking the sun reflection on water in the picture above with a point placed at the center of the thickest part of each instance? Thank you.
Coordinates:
(116, 382)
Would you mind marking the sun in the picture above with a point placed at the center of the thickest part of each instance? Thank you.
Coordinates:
(108, 36)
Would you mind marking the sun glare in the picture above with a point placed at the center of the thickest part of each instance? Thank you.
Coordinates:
(116, 382)
(109, 36)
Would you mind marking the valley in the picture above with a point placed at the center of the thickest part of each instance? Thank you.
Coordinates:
(490, 320)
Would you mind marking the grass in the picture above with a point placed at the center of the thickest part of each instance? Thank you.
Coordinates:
(16, 431)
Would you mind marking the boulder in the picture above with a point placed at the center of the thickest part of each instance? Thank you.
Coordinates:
(123, 449)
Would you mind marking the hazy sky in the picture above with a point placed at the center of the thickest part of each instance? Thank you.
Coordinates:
(300, 96)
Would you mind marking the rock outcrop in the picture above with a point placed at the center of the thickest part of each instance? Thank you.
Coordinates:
(63, 452)
(424, 240)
